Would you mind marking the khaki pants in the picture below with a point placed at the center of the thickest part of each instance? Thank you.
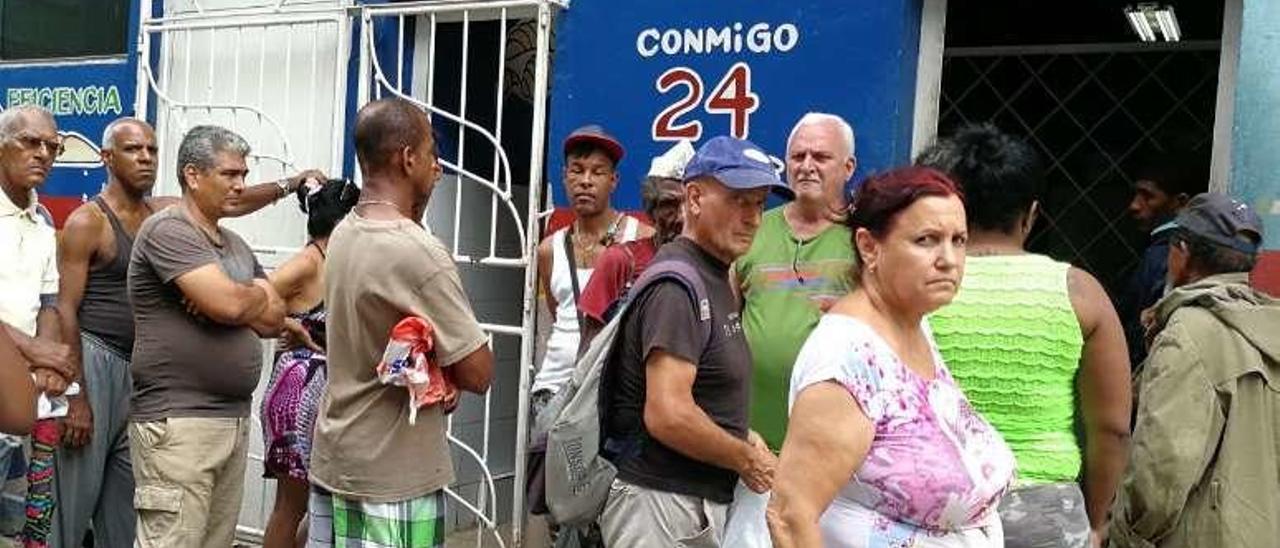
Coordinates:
(638, 517)
(190, 480)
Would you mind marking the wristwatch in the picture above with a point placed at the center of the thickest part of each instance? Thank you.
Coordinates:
(283, 183)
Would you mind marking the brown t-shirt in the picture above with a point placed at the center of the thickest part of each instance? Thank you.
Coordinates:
(664, 317)
(378, 273)
(184, 365)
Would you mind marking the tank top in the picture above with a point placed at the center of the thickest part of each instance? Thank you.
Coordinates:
(1013, 342)
(562, 344)
(105, 311)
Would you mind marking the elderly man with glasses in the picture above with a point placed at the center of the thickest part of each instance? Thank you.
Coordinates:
(29, 142)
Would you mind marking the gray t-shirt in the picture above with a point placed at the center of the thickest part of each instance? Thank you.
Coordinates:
(185, 365)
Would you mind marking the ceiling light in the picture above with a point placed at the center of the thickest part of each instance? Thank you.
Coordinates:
(1169, 25)
(1146, 18)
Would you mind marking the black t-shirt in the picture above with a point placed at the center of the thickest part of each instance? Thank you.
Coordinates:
(665, 317)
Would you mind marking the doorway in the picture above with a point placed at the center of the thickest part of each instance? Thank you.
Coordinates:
(1073, 79)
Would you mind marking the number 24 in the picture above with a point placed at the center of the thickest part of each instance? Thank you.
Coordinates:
(732, 96)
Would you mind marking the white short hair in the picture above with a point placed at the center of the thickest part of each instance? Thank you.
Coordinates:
(11, 117)
(814, 118)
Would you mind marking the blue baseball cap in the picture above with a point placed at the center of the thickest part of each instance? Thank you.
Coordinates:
(737, 164)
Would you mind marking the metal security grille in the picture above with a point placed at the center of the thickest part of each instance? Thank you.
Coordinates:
(276, 71)
(1088, 109)
(274, 74)
(471, 66)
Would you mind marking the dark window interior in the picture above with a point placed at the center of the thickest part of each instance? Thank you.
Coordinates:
(49, 29)
(1072, 79)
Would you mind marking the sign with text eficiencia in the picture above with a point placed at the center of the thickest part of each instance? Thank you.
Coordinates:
(655, 72)
(84, 97)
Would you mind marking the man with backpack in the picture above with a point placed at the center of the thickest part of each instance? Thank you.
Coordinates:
(675, 391)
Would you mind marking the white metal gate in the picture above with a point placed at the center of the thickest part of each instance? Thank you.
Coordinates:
(276, 72)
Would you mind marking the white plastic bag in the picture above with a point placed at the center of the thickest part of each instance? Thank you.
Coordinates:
(746, 527)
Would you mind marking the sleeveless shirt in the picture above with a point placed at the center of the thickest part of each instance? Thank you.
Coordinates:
(1013, 342)
(105, 311)
(562, 344)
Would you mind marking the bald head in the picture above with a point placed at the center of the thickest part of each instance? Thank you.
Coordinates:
(110, 135)
(386, 127)
(130, 153)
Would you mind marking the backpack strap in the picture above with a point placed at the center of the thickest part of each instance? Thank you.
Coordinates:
(631, 267)
(687, 276)
(665, 270)
(573, 271)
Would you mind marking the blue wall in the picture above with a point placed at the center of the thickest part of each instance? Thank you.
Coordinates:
(84, 97)
(855, 58)
(1255, 162)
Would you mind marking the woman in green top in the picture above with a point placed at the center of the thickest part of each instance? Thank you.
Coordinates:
(1027, 337)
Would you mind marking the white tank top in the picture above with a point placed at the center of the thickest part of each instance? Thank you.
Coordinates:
(562, 344)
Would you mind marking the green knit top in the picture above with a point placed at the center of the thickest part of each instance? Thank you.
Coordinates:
(1012, 341)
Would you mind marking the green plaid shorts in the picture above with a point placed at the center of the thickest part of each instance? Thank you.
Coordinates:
(343, 523)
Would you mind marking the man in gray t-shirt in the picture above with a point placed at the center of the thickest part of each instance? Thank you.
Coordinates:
(200, 303)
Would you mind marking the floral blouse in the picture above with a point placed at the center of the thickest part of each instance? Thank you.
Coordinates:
(935, 466)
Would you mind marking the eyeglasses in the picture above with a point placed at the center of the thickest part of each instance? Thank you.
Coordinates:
(31, 142)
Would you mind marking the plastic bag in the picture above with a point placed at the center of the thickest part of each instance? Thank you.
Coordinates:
(409, 361)
(746, 527)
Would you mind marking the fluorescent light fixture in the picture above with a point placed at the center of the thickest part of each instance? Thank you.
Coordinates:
(1169, 24)
(1138, 22)
(1146, 18)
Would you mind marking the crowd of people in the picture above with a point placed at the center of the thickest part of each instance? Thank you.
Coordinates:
(894, 367)
(131, 345)
(886, 361)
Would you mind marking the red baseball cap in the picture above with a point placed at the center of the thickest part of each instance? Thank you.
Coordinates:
(597, 136)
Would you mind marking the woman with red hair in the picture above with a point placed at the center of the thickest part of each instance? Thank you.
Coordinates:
(882, 448)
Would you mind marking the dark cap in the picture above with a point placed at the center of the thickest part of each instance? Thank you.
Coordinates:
(597, 136)
(1223, 221)
(737, 164)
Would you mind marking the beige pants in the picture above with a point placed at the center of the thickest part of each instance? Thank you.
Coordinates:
(638, 517)
(190, 480)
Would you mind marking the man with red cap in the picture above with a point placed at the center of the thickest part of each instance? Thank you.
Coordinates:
(567, 258)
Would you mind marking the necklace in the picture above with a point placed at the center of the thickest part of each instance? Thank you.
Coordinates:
(590, 247)
(378, 202)
(988, 251)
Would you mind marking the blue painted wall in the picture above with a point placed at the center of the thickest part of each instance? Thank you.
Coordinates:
(1255, 162)
(1255, 131)
(84, 98)
(855, 58)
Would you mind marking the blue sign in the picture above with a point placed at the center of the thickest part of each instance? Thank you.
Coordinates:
(83, 98)
(655, 72)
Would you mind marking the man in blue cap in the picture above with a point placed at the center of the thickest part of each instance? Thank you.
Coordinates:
(1205, 444)
(680, 376)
